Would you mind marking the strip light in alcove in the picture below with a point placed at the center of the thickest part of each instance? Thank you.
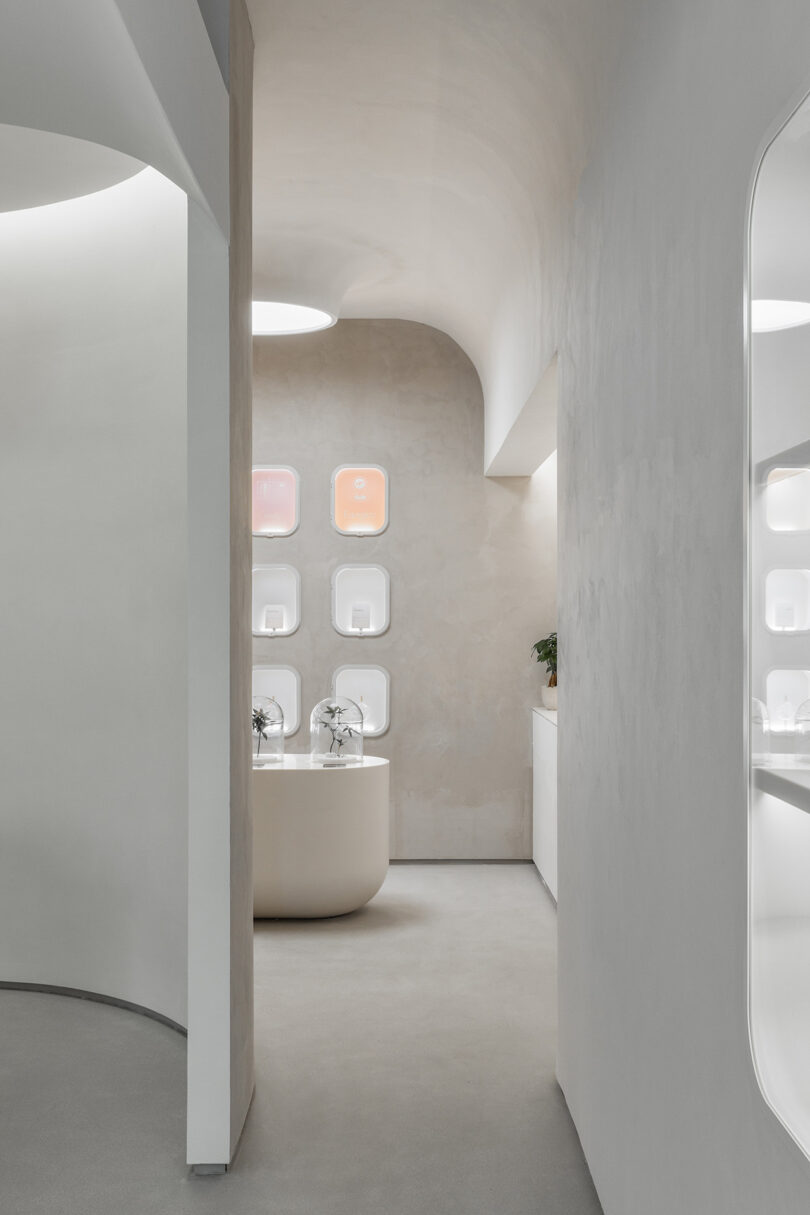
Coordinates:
(276, 317)
(770, 315)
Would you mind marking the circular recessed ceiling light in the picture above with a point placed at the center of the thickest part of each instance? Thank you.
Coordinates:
(272, 316)
(768, 315)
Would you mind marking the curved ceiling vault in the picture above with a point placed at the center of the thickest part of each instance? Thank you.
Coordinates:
(418, 159)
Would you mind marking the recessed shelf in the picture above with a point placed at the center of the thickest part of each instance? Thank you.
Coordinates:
(787, 601)
(369, 688)
(276, 498)
(360, 499)
(360, 600)
(787, 499)
(797, 456)
(786, 690)
(791, 785)
(283, 683)
(276, 600)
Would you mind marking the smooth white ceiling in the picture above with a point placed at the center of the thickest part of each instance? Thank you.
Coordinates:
(40, 167)
(419, 160)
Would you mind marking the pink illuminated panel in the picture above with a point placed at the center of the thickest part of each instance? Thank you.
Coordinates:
(360, 500)
(275, 501)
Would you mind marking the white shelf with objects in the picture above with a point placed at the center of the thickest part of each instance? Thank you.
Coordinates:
(283, 684)
(544, 795)
(276, 608)
(779, 659)
(367, 686)
(361, 600)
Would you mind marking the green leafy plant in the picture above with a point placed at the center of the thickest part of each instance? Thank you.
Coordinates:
(546, 651)
(261, 720)
(340, 731)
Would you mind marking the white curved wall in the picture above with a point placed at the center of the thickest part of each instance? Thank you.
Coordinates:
(93, 556)
(654, 1052)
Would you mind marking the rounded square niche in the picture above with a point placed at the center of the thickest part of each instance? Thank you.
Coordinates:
(276, 499)
(786, 689)
(284, 685)
(360, 499)
(361, 600)
(276, 600)
(787, 500)
(369, 688)
(787, 601)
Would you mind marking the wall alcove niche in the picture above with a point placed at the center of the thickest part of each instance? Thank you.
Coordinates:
(276, 600)
(282, 683)
(360, 600)
(369, 687)
(779, 608)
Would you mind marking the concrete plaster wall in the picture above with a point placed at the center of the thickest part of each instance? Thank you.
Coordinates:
(472, 565)
(654, 1053)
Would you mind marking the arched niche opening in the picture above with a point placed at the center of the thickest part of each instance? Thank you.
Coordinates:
(779, 615)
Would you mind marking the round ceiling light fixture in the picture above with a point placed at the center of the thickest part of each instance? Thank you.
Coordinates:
(276, 317)
(769, 315)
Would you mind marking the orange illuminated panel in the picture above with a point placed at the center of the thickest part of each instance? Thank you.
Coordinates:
(275, 501)
(360, 500)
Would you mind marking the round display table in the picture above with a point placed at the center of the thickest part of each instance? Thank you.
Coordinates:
(320, 836)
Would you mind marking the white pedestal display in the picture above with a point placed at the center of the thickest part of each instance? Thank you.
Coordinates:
(320, 837)
(544, 795)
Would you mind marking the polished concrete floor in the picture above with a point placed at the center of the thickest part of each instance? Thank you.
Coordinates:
(404, 1066)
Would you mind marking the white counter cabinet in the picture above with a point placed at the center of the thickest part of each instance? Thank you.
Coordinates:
(544, 795)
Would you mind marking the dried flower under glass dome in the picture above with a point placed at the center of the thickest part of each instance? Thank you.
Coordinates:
(336, 731)
(268, 730)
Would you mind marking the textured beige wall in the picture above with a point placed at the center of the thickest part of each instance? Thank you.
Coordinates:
(472, 563)
(241, 88)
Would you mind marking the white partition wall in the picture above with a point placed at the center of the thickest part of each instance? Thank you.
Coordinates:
(118, 415)
(780, 642)
(93, 697)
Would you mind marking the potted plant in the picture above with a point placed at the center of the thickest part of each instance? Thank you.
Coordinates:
(546, 651)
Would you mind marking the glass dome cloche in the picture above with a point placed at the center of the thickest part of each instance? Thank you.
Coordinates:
(268, 731)
(336, 731)
(803, 734)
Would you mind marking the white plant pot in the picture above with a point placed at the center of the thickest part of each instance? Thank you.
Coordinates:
(549, 697)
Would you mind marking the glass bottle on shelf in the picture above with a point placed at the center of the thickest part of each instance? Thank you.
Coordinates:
(760, 734)
(336, 732)
(268, 731)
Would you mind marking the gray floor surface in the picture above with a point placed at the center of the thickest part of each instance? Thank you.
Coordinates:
(404, 1066)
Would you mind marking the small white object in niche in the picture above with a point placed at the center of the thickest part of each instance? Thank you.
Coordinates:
(361, 616)
(273, 617)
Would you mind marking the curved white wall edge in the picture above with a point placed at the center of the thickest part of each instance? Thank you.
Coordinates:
(288, 499)
(284, 684)
(97, 997)
(361, 600)
(368, 686)
(276, 608)
(352, 498)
